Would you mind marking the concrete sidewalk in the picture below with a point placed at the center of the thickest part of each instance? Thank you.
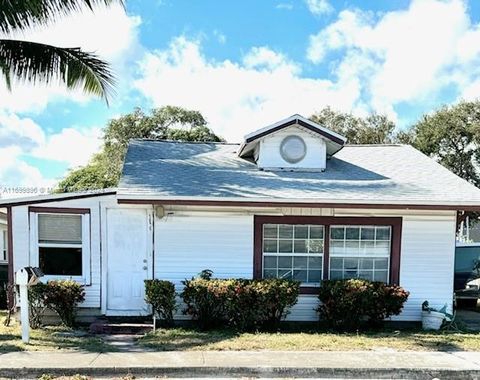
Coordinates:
(357, 364)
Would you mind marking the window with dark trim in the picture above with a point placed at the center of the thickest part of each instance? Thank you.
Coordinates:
(293, 252)
(351, 247)
(360, 252)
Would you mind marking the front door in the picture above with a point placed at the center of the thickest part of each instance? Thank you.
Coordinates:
(129, 242)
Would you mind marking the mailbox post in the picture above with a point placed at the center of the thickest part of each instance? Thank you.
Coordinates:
(24, 278)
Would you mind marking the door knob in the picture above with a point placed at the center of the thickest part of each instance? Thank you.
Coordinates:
(145, 267)
(145, 260)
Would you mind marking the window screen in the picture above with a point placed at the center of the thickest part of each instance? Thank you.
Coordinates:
(60, 244)
(58, 228)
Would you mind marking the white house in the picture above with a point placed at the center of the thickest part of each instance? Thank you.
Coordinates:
(292, 201)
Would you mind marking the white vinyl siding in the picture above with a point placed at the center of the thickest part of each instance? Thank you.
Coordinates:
(427, 263)
(186, 245)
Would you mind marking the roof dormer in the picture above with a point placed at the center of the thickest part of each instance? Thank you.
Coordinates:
(295, 143)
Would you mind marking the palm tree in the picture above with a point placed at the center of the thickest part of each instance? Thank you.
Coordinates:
(36, 62)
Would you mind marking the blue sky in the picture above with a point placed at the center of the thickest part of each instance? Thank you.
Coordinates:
(243, 64)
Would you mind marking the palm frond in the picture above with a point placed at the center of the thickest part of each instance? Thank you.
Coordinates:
(35, 62)
(22, 14)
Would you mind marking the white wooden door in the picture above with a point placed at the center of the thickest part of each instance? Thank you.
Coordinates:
(129, 251)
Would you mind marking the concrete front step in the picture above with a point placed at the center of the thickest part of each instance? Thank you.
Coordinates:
(106, 326)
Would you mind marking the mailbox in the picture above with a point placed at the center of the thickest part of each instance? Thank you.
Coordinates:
(24, 278)
(28, 276)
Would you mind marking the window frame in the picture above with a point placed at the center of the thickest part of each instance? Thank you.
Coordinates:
(327, 221)
(3, 246)
(360, 256)
(85, 277)
(294, 254)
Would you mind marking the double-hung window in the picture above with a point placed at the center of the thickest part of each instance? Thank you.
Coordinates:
(3, 246)
(293, 251)
(315, 248)
(360, 252)
(62, 245)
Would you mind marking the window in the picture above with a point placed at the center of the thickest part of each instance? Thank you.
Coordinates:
(293, 149)
(62, 243)
(360, 252)
(293, 251)
(3, 246)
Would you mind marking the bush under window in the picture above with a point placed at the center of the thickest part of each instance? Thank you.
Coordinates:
(348, 304)
(239, 303)
(36, 300)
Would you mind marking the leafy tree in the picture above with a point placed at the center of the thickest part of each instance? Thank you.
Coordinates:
(169, 122)
(374, 129)
(37, 62)
(451, 135)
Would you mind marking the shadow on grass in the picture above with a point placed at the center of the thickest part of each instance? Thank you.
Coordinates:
(48, 339)
(55, 338)
(182, 339)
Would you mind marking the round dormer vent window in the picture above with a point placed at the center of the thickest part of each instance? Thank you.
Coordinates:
(293, 149)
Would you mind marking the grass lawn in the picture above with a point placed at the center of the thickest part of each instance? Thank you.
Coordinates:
(48, 338)
(416, 340)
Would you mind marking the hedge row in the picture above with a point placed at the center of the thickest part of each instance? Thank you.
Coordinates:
(242, 304)
(247, 305)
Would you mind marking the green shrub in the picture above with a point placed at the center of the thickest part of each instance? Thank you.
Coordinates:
(204, 302)
(277, 297)
(240, 303)
(347, 304)
(36, 301)
(161, 296)
(63, 297)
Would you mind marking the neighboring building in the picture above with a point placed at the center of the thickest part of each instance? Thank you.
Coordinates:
(291, 201)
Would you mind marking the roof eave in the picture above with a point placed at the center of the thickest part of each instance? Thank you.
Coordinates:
(12, 202)
(152, 198)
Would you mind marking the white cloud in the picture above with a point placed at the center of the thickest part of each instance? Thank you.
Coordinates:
(403, 56)
(286, 6)
(264, 58)
(319, 7)
(22, 137)
(108, 32)
(74, 146)
(14, 173)
(221, 38)
(237, 97)
(19, 131)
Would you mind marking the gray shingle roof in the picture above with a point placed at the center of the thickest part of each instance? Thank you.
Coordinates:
(370, 173)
